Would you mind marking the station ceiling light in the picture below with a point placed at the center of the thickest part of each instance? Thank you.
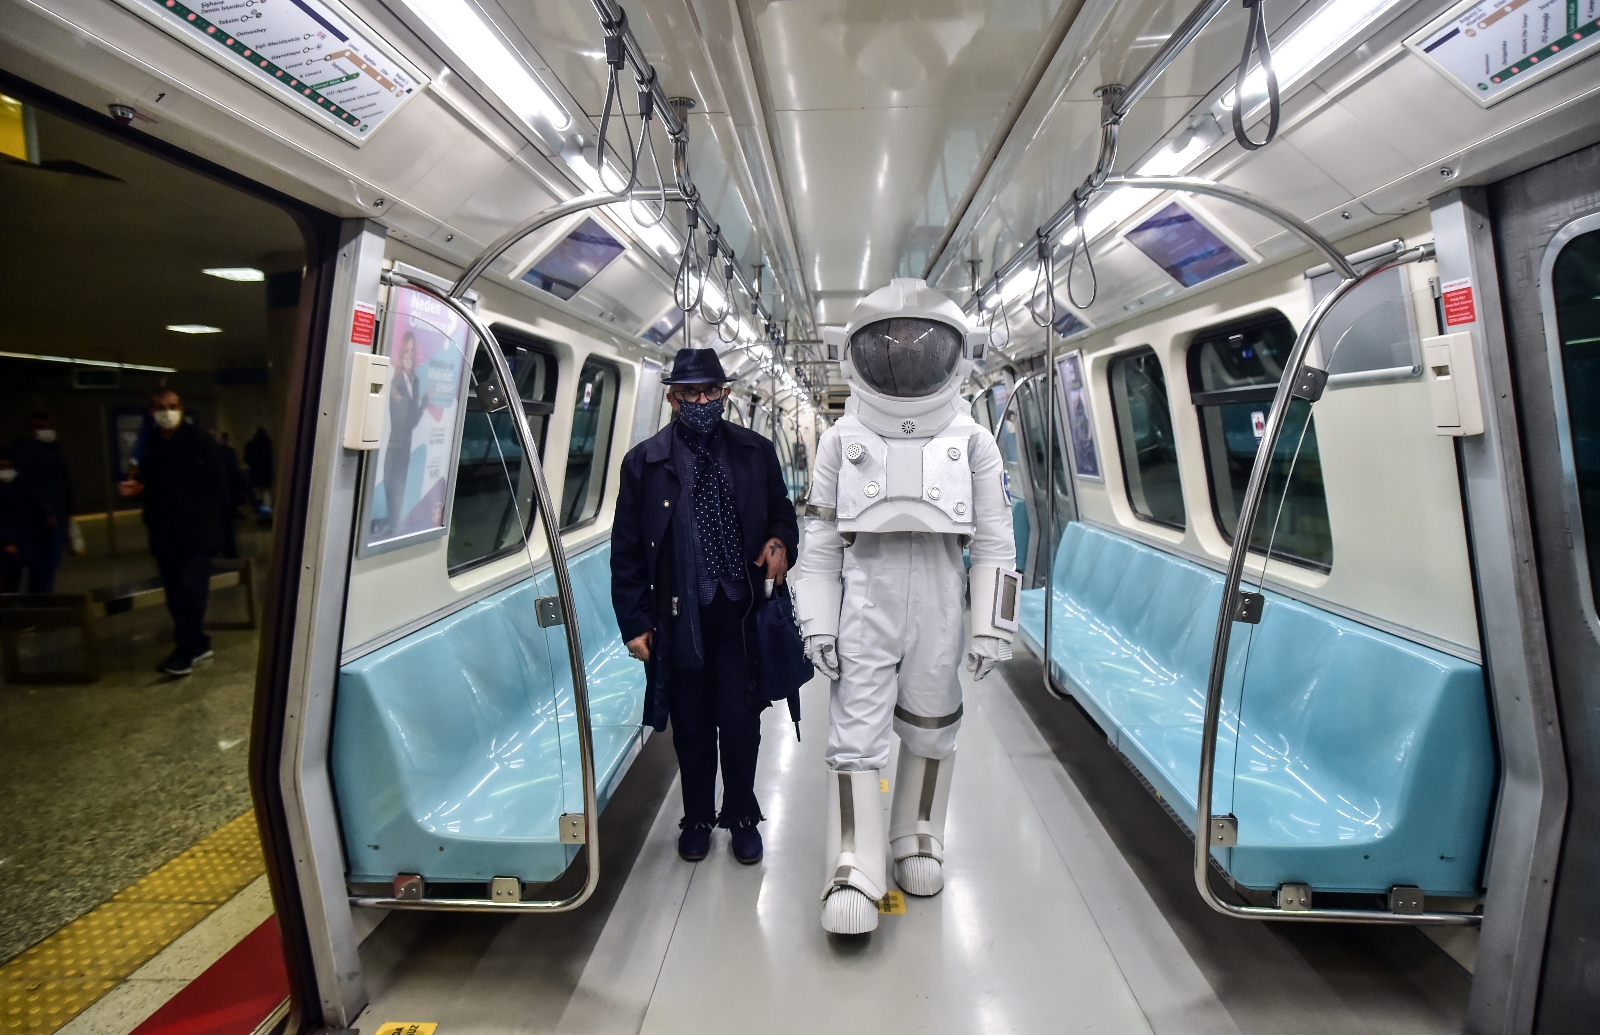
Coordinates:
(194, 328)
(479, 45)
(241, 274)
(88, 362)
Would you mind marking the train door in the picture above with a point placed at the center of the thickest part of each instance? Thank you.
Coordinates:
(1029, 412)
(1547, 239)
(994, 411)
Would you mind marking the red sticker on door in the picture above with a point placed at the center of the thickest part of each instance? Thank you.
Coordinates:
(1456, 297)
(363, 324)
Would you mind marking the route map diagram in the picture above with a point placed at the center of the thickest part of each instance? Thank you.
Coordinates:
(304, 52)
(1495, 48)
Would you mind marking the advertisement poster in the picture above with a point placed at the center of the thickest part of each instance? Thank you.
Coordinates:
(1080, 425)
(411, 473)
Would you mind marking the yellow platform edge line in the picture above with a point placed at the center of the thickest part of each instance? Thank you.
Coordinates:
(51, 982)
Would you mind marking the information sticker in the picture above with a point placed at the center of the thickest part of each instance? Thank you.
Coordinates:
(1455, 296)
(313, 55)
(1493, 48)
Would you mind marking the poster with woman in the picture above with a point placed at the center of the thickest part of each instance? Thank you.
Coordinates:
(1080, 423)
(410, 475)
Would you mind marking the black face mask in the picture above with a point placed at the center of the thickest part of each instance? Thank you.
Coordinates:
(702, 416)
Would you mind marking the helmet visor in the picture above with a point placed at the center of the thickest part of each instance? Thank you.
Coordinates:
(906, 357)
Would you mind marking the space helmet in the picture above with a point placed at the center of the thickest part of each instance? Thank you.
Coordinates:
(905, 351)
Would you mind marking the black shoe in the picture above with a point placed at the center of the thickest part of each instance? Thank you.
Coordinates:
(694, 843)
(747, 844)
(203, 655)
(177, 664)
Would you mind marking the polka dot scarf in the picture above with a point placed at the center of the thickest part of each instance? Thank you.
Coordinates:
(719, 546)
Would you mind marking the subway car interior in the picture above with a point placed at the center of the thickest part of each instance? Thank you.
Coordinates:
(328, 325)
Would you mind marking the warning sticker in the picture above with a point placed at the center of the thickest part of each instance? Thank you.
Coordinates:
(893, 902)
(363, 325)
(1456, 297)
(406, 1028)
(883, 785)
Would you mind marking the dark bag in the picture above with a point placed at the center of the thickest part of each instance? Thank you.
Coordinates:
(784, 666)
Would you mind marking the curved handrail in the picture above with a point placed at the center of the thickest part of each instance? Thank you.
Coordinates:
(1254, 492)
(582, 203)
(575, 657)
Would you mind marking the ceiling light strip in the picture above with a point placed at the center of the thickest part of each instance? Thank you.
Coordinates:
(88, 362)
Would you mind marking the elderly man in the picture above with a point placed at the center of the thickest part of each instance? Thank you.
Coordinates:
(182, 483)
(703, 521)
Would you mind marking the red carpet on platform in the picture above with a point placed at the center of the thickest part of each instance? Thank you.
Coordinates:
(233, 996)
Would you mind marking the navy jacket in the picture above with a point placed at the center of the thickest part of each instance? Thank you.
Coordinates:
(652, 552)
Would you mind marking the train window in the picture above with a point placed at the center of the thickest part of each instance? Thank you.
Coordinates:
(1144, 435)
(1234, 370)
(494, 489)
(593, 415)
(1576, 282)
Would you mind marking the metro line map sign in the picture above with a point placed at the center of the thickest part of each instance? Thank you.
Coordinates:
(313, 55)
(1493, 48)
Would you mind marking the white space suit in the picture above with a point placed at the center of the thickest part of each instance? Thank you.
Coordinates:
(901, 484)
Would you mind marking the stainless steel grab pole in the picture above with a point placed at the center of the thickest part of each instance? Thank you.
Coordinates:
(506, 241)
(1250, 508)
(575, 657)
(1248, 511)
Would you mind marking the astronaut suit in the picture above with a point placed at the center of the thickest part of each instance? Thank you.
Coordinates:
(902, 483)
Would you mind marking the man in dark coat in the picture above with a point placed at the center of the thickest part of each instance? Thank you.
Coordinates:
(703, 521)
(182, 482)
(43, 476)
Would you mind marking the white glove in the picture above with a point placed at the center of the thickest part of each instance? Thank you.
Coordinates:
(985, 653)
(824, 654)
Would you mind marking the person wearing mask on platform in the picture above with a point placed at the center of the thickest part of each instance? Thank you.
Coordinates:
(258, 458)
(703, 521)
(182, 483)
(16, 527)
(407, 400)
(43, 476)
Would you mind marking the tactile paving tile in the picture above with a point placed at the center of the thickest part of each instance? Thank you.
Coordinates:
(47, 985)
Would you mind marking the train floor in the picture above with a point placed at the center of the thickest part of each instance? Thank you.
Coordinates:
(1067, 907)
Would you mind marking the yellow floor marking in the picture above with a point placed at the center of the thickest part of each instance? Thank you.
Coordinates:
(406, 1028)
(47, 985)
(883, 786)
(893, 902)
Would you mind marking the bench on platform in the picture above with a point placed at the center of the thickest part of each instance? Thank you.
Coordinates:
(23, 613)
(455, 748)
(1353, 760)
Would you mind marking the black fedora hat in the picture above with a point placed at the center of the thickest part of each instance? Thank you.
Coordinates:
(696, 367)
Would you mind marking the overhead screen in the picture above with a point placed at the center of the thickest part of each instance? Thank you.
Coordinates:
(570, 265)
(1183, 246)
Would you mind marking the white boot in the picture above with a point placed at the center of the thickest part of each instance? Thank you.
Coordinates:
(916, 821)
(856, 853)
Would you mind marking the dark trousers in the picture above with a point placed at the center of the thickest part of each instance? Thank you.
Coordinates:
(186, 579)
(49, 545)
(711, 709)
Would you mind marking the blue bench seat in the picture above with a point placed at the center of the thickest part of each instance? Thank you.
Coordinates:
(455, 749)
(1354, 760)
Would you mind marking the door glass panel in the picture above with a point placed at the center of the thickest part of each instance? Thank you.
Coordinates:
(1029, 411)
(594, 412)
(1234, 370)
(494, 488)
(1576, 283)
(1144, 437)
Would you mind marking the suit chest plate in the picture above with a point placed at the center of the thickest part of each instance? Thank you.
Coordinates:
(925, 489)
